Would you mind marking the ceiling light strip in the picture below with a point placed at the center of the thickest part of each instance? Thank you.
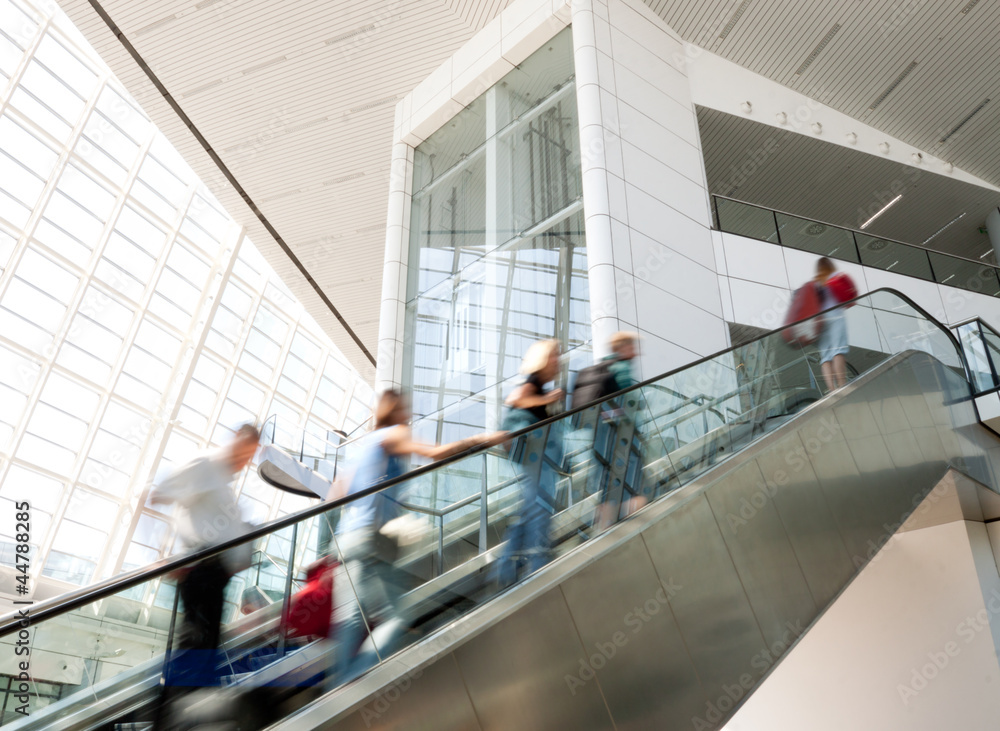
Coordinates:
(970, 6)
(343, 37)
(818, 49)
(952, 221)
(965, 121)
(186, 120)
(884, 208)
(734, 19)
(892, 87)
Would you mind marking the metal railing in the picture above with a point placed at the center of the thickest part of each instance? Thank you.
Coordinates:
(825, 239)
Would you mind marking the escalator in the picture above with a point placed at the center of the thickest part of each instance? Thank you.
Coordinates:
(763, 497)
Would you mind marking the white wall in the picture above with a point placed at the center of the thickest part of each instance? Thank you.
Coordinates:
(757, 278)
(645, 194)
(908, 645)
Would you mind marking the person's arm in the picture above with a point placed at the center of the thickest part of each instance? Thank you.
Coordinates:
(526, 396)
(398, 442)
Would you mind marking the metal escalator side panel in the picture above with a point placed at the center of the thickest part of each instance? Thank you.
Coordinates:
(672, 617)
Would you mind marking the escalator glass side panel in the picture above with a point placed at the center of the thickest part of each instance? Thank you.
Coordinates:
(457, 535)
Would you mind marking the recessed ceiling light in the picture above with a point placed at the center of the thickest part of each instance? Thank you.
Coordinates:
(951, 222)
(884, 208)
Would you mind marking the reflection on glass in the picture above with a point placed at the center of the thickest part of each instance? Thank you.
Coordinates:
(746, 220)
(815, 237)
(892, 256)
(497, 229)
(965, 274)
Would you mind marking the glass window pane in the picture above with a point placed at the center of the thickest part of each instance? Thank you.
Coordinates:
(817, 238)
(66, 66)
(27, 149)
(70, 396)
(47, 276)
(40, 115)
(69, 215)
(210, 372)
(46, 454)
(19, 183)
(102, 132)
(104, 477)
(51, 92)
(89, 509)
(894, 257)
(164, 182)
(237, 300)
(140, 231)
(83, 364)
(171, 313)
(158, 341)
(45, 492)
(33, 305)
(62, 242)
(79, 540)
(126, 116)
(68, 567)
(95, 339)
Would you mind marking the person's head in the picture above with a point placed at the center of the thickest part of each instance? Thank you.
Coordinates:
(625, 345)
(824, 268)
(392, 409)
(243, 446)
(542, 360)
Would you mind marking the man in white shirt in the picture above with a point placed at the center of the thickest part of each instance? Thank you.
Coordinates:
(209, 516)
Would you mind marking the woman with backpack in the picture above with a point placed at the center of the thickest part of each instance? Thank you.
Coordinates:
(834, 288)
(527, 539)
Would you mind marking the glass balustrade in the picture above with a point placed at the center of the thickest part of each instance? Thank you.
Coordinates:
(473, 524)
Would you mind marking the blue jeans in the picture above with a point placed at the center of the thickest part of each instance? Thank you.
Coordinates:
(527, 542)
(377, 590)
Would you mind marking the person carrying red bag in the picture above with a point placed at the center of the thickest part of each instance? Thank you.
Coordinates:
(834, 288)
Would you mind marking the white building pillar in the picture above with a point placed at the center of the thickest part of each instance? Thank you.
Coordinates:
(389, 358)
(649, 247)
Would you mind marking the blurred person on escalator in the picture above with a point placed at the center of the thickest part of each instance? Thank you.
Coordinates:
(526, 547)
(209, 516)
(366, 549)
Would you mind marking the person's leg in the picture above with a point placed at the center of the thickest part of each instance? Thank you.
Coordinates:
(828, 377)
(840, 370)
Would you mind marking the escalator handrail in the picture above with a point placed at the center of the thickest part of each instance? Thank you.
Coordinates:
(68, 602)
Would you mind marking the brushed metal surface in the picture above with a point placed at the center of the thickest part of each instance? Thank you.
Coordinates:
(712, 612)
(622, 613)
(809, 524)
(516, 671)
(427, 700)
(838, 478)
(768, 568)
(738, 584)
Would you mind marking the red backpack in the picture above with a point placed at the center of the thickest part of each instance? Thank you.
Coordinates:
(805, 305)
(842, 287)
(310, 609)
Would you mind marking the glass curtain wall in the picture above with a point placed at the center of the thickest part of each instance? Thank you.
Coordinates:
(137, 324)
(497, 247)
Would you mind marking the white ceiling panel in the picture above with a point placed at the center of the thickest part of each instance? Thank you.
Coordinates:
(297, 101)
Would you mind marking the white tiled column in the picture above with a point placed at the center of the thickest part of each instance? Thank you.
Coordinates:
(649, 247)
(389, 359)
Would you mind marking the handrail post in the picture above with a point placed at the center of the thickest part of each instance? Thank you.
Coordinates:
(484, 507)
(440, 544)
(286, 600)
(777, 229)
